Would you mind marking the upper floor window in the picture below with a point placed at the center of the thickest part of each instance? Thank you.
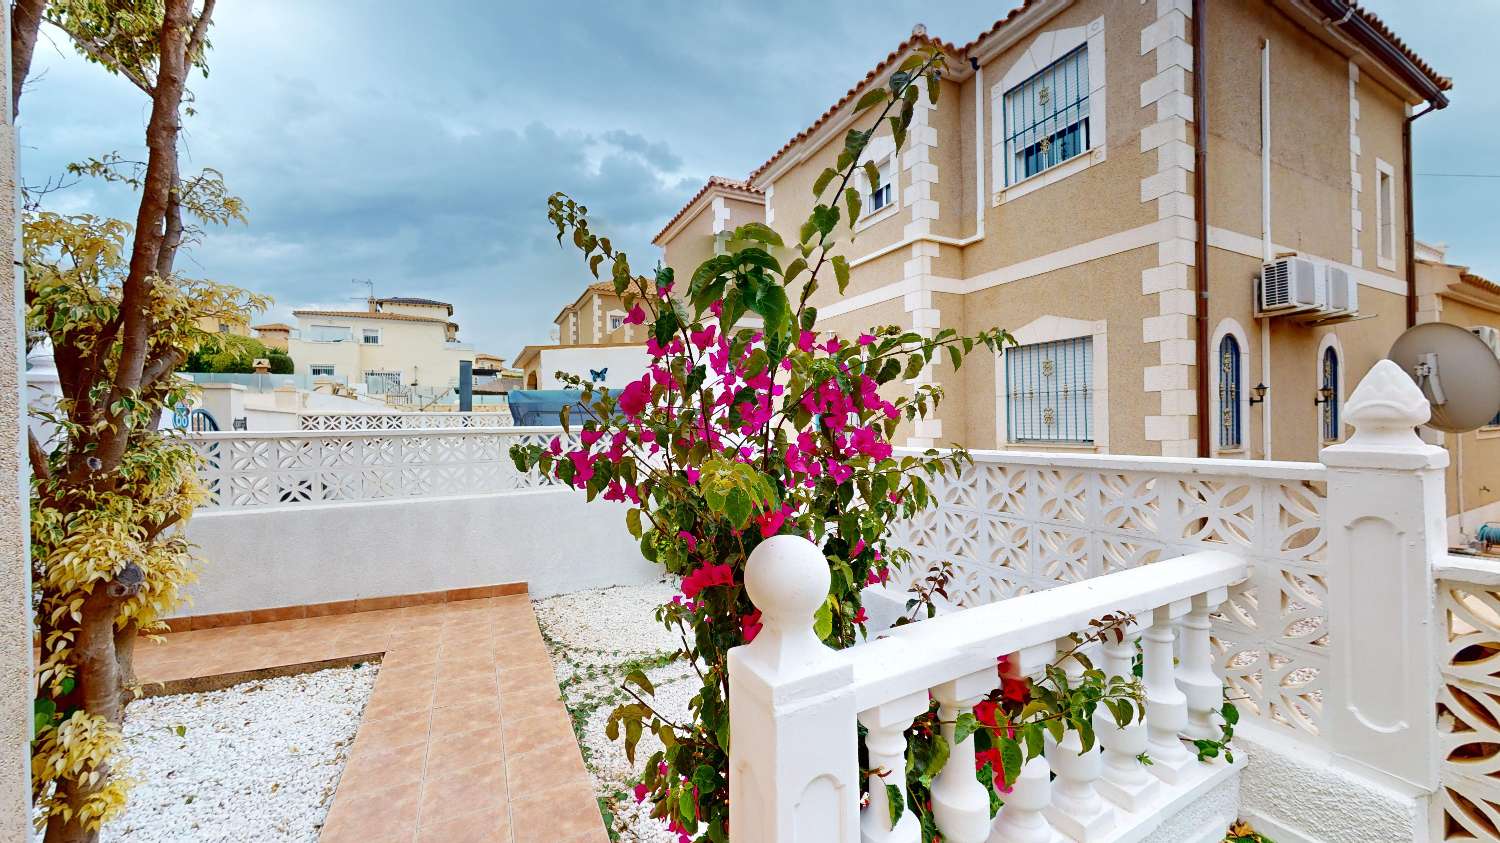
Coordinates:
(1329, 387)
(370, 336)
(328, 333)
(1049, 391)
(882, 193)
(1385, 215)
(223, 327)
(1230, 386)
(1047, 117)
(616, 320)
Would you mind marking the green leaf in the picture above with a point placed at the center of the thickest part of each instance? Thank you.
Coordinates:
(841, 271)
(1010, 755)
(706, 778)
(872, 173)
(563, 415)
(823, 620)
(955, 357)
(851, 201)
(633, 522)
(937, 760)
(872, 97)
(795, 268)
(893, 798)
(1231, 714)
(821, 183)
(638, 679)
(966, 725)
(825, 218)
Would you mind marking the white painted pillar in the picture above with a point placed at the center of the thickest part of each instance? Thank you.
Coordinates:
(886, 742)
(1077, 809)
(1386, 527)
(1166, 705)
(1023, 818)
(960, 803)
(1124, 780)
(1196, 676)
(794, 760)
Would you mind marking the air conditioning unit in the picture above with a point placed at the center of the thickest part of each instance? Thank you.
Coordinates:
(1291, 285)
(1343, 292)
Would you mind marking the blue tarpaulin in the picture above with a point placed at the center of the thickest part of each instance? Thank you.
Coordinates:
(531, 407)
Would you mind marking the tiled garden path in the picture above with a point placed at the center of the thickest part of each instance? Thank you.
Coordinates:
(464, 738)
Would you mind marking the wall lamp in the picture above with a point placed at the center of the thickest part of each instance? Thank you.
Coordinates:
(1325, 395)
(1258, 394)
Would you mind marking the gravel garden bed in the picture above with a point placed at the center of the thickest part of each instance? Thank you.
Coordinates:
(595, 638)
(257, 761)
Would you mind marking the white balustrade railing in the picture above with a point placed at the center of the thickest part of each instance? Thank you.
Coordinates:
(405, 421)
(794, 702)
(1468, 710)
(1015, 522)
(242, 470)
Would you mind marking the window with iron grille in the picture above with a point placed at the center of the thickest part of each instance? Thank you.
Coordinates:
(1330, 407)
(1229, 393)
(1050, 391)
(1047, 117)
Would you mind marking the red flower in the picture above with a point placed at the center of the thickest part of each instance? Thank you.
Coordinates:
(1015, 689)
(859, 616)
(750, 625)
(707, 576)
(985, 712)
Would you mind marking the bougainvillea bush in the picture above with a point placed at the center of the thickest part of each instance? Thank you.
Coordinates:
(751, 423)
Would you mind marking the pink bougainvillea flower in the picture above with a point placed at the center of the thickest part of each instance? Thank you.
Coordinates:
(589, 437)
(640, 792)
(692, 540)
(750, 625)
(692, 475)
(770, 522)
(860, 616)
(866, 339)
(707, 576)
(805, 341)
(878, 577)
(717, 307)
(859, 547)
(985, 712)
(636, 316)
(555, 446)
(636, 395)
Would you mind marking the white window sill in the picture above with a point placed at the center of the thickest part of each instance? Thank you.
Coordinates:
(1230, 452)
(874, 217)
(1051, 175)
(1487, 433)
(1089, 447)
(1386, 263)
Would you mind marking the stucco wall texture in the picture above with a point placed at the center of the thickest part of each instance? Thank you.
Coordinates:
(15, 587)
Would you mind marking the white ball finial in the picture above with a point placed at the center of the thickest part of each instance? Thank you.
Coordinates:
(787, 579)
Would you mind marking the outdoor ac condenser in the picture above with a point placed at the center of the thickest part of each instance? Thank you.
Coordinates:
(1343, 292)
(1290, 285)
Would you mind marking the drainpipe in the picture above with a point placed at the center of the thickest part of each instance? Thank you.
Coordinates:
(1200, 209)
(1266, 415)
(1411, 228)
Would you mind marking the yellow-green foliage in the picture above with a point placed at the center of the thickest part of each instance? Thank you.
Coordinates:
(88, 525)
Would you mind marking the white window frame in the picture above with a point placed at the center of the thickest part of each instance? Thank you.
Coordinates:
(882, 151)
(364, 336)
(614, 320)
(1231, 328)
(1054, 329)
(1327, 341)
(313, 370)
(1044, 50)
(314, 329)
(1385, 215)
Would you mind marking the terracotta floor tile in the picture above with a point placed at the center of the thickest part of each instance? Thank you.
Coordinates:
(538, 732)
(410, 700)
(528, 704)
(477, 689)
(557, 814)
(464, 717)
(366, 814)
(471, 788)
(529, 681)
(464, 749)
(394, 731)
(396, 765)
(545, 769)
(487, 826)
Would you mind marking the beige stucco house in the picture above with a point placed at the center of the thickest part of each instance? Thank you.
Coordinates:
(589, 335)
(1079, 185)
(397, 343)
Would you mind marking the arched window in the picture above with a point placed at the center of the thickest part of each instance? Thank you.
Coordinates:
(1330, 406)
(1230, 423)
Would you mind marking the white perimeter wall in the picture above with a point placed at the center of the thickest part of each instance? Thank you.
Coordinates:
(624, 362)
(269, 557)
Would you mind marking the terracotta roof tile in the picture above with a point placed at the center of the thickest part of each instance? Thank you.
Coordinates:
(1444, 83)
(732, 185)
(272, 326)
(365, 314)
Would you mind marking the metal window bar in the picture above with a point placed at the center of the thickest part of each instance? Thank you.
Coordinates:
(1047, 117)
(1050, 392)
(1229, 393)
(1330, 407)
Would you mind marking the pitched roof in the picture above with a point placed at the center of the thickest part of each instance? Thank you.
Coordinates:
(413, 300)
(272, 326)
(366, 314)
(919, 37)
(731, 185)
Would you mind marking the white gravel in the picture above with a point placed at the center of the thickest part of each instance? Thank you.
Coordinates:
(595, 637)
(255, 762)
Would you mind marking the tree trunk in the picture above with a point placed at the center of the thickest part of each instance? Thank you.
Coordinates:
(25, 20)
(98, 692)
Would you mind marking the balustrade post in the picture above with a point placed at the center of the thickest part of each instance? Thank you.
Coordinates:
(1023, 818)
(1124, 780)
(1385, 526)
(886, 742)
(960, 804)
(1166, 705)
(1196, 676)
(1077, 809)
(794, 760)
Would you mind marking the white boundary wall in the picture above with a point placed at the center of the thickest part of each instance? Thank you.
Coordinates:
(268, 557)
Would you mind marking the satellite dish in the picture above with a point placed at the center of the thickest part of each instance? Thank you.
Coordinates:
(1457, 372)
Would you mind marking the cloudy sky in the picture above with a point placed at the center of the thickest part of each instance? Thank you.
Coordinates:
(414, 145)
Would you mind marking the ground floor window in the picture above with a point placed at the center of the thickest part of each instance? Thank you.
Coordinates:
(321, 370)
(1230, 423)
(1049, 391)
(379, 383)
(1329, 394)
